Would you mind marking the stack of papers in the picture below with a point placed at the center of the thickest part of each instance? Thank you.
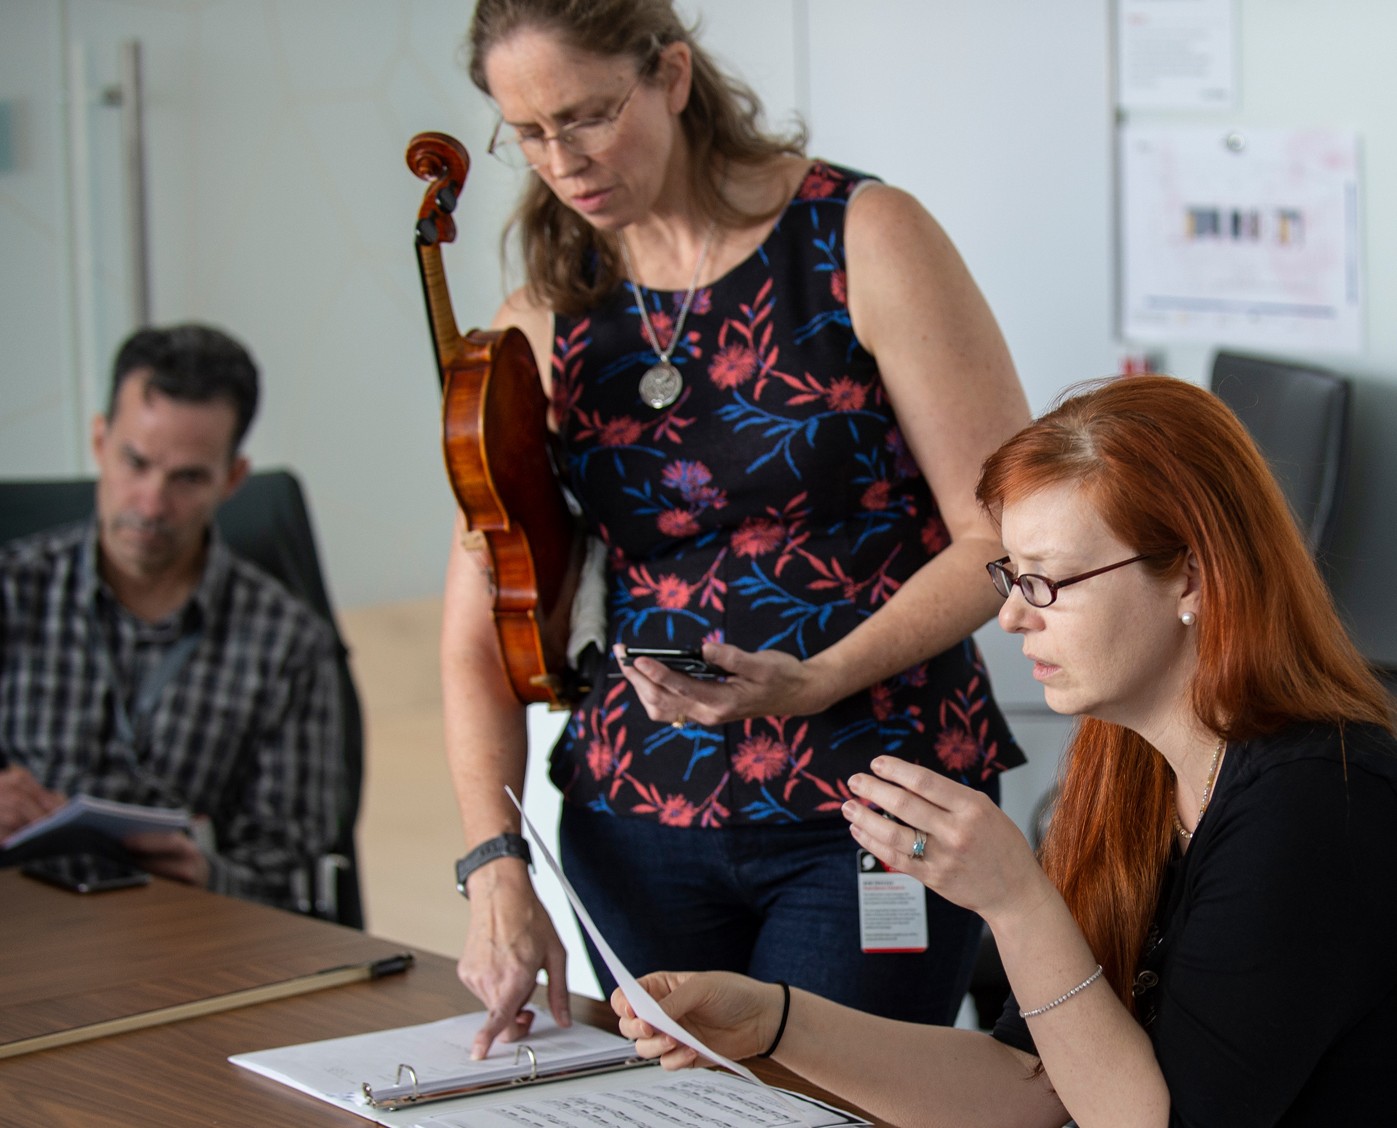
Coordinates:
(585, 1090)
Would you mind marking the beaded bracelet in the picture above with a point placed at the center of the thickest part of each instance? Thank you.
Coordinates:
(785, 1014)
(1077, 990)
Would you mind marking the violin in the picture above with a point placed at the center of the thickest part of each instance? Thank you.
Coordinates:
(498, 453)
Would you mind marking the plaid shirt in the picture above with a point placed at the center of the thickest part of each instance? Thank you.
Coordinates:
(246, 731)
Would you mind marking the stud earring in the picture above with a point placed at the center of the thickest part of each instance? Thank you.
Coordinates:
(1188, 618)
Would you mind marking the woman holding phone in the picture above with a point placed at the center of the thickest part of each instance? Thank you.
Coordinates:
(772, 380)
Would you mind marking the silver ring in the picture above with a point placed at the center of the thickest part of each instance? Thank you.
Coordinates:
(919, 845)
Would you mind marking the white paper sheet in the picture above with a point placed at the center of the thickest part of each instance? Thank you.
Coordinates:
(648, 1098)
(1242, 237)
(641, 1001)
(336, 1069)
(1176, 54)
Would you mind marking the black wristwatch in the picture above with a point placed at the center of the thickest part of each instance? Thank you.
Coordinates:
(501, 846)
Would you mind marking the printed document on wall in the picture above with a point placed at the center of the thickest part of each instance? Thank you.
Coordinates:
(1242, 237)
(1176, 54)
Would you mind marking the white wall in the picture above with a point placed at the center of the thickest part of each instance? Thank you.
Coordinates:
(997, 117)
(282, 209)
(1310, 63)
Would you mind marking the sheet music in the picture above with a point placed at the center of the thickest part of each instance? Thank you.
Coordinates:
(641, 1001)
(334, 1070)
(649, 1098)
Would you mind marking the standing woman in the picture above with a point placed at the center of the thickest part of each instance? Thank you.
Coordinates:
(773, 380)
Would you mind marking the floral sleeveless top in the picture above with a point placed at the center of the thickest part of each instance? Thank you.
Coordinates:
(773, 504)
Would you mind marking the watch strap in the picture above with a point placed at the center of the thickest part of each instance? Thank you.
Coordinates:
(501, 846)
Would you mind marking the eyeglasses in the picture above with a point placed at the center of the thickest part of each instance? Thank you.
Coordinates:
(1039, 591)
(581, 138)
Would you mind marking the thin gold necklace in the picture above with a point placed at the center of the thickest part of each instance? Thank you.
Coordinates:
(662, 383)
(1185, 834)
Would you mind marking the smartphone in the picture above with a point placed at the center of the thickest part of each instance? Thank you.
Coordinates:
(684, 661)
(86, 873)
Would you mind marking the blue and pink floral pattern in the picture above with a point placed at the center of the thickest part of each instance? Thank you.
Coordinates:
(775, 504)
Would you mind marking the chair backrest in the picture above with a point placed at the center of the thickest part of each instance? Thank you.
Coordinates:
(1299, 417)
(268, 522)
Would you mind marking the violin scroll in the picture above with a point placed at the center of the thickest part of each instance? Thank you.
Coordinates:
(496, 443)
(442, 160)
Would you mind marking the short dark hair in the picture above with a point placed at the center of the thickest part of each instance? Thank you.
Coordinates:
(194, 364)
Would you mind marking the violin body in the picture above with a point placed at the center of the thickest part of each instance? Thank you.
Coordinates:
(495, 439)
(497, 444)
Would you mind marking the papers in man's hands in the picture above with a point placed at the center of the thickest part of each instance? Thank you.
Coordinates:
(337, 1069)
(102, 816)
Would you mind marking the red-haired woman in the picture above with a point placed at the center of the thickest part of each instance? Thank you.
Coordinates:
(1208, 938)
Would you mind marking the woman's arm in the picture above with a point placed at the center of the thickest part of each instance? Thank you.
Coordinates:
(1098, 1058)
(509, 938)
(903, 1072)
(951, 380)
(952, 384)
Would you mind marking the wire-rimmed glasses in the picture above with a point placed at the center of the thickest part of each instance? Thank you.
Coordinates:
(583, 138)
(1039, 591)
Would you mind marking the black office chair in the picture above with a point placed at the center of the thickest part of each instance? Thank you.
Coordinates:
(1299, 416)
(266, 521)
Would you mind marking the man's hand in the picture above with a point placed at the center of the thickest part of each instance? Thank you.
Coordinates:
(169, 854)
(22, 800)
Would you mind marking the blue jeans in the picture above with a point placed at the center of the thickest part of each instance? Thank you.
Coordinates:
(773, 902)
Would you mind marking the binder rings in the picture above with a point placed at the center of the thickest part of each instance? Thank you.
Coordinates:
(413, 1065)
(525, 1069)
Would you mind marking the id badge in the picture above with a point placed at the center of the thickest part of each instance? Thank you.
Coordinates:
(892, 908)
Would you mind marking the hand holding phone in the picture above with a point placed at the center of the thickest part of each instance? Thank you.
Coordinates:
(690, 662)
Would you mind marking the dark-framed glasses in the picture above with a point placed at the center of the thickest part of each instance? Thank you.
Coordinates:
(1039, 591)
(528, 148)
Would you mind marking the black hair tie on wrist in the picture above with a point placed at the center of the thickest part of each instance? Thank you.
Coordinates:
(785, 1014)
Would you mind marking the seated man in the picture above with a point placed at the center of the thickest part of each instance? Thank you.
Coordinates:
(141, 661)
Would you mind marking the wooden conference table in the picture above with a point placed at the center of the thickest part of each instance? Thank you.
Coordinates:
(69, 959)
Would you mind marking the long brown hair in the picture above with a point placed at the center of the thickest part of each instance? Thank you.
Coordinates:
(569, 265)
(1165, 463)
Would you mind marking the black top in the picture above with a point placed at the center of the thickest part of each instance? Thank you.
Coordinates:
(1269, 987)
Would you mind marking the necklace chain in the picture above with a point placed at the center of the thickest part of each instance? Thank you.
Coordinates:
(1183, 832)
(674, 338)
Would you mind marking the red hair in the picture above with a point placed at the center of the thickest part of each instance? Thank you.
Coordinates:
(1166, 464)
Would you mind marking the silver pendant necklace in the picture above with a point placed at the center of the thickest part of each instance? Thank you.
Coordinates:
(662, 382)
